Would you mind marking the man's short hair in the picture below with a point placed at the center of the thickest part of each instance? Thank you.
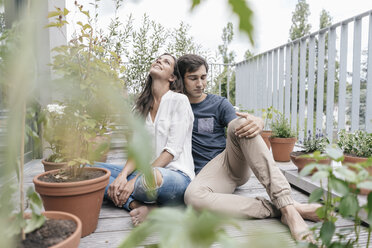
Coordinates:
(190, 63)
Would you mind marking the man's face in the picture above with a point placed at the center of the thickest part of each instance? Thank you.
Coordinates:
(195, 83)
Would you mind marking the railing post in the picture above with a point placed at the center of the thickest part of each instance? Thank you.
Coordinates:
(294, 86)
(356, 75)
(369, 80)
(343, 74)
(330, 83)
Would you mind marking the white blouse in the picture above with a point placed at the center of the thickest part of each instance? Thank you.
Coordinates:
(172, 131)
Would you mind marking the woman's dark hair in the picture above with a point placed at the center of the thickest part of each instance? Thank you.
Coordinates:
(145, 100)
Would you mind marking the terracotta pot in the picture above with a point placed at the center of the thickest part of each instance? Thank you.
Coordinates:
(301, 162)
(282, 147)
(83, 198)
(353, 159)
(265, 135)
(74, 239)
(48, 166)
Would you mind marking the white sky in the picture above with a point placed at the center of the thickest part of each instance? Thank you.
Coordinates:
(272, 18)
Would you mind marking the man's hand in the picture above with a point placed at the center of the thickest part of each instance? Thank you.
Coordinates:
(116, 188)
(251, 127)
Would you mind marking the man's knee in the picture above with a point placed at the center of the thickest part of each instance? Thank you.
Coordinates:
(196, 196)
(234, 124)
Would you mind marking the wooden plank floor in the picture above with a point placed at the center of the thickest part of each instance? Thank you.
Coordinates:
(114, 224)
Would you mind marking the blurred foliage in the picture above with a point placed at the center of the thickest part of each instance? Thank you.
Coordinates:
(300, 26)
(346, 181)
(268, 115)
(244, 13)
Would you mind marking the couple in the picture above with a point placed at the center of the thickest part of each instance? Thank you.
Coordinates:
(185, 135)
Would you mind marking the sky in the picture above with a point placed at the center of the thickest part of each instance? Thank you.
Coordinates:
(272, 19)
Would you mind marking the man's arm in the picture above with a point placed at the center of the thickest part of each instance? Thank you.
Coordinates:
(251, 127)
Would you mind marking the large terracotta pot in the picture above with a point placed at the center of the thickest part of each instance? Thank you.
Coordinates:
(48, 166)
(83, 198)
(74, 239)
(265, 136)
(282, 147)
(301, 162)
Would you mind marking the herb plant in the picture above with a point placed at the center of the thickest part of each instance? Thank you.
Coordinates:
(281, 128)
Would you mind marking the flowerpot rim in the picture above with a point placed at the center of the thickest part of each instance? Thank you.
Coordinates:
(72, 184)
(52, 163)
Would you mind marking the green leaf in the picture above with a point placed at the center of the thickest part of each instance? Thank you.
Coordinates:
(365, 185)
(321, 212)
(369, 208)
(245, 15)
(316, 195)
(334, 153)
(326, 232)
(320, 175)
(65, 12)
(34, 223)
(195, 3)
(339, 186)
(53, 13)
(349, 175)
(348, 205)
(307, 169)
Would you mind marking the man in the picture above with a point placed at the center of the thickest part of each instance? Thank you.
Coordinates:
(223, 163)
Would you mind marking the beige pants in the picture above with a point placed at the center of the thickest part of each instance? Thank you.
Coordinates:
(213, 187)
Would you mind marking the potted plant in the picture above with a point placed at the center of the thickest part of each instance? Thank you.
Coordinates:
(84, 77)
(267, 116)
(18, 228)
(357, 146)
(345, 205)
(311, 145)
(282, 139)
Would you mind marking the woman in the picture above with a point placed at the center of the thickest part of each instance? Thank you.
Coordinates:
(169, 119)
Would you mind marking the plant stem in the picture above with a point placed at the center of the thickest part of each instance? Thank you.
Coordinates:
(21, 165)
(369, 236)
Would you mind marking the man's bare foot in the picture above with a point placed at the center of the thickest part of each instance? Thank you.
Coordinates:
(308, 210)
(296, 224)
(139, 214)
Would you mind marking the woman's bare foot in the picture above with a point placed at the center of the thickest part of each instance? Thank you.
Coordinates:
(139, 214)
(308, 210)
(292, 218)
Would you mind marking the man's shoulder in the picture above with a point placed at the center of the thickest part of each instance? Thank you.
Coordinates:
(212, 98)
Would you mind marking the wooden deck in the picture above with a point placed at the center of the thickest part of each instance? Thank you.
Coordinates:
(114, 224)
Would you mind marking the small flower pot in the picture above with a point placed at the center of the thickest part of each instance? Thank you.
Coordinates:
(81, 198)
(265, 136)
(281, 148)
(301, 162)
(71, 241)
(48, 166)
(353, 159)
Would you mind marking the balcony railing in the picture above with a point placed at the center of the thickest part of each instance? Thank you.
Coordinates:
(322, 81)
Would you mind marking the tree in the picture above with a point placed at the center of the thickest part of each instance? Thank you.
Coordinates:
(248, 54)
(147, 42)
(181, 42)
(300, 26)
(228, 58)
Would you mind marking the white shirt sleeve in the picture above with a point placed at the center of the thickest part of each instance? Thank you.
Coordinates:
(181, 123)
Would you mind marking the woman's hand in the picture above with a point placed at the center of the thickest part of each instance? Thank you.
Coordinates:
(116, 188)
(127, 191)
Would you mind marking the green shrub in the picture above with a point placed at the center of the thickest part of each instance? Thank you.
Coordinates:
(281, 128)
(358, 143)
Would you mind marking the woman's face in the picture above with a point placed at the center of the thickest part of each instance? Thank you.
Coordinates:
(162, 68)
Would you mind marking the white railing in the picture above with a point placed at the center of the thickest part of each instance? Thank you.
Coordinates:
(292, 76)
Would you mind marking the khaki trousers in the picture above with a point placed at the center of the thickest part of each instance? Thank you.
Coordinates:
(213, 187)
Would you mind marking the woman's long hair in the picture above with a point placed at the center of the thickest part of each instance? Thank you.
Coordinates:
(145, 100)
